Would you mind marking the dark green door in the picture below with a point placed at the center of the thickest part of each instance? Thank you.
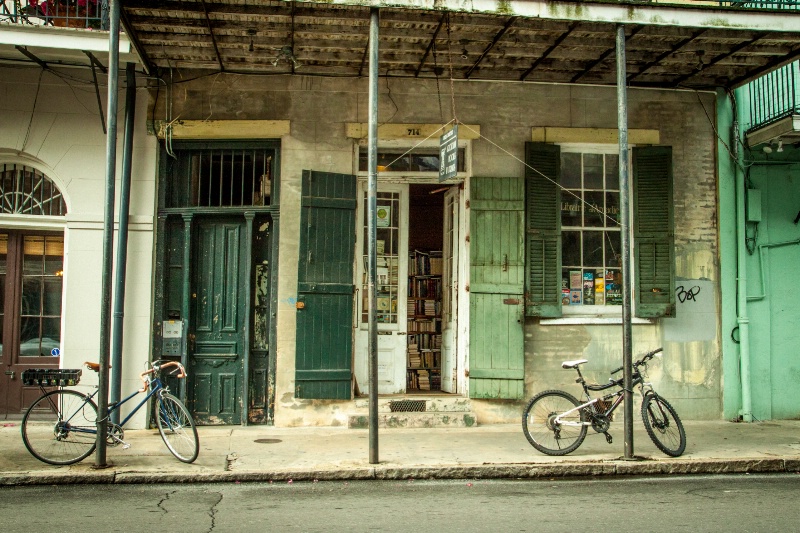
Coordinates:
(497, 274)
(218, 340)
(324, 359)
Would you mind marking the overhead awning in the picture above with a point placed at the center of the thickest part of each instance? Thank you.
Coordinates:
(669, 45)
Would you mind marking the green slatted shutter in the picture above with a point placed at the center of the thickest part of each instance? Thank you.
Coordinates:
(653, 232)
(543, 230)
(496, 282)
(323, 366)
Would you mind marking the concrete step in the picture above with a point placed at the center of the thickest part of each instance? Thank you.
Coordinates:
(433, 404)
(462, 419)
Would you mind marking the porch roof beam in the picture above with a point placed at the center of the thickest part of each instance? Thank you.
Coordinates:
(719, 58)
(654, 14)
(430, 45)
(213, 37)
(30, 55)
(667, 53)
(603, 56)
(549, 51)
(491, 45)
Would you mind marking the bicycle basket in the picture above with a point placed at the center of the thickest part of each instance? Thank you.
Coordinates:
(51, 377)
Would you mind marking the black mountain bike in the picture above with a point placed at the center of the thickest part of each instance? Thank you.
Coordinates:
(555, 422)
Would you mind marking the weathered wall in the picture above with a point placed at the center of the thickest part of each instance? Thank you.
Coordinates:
(52, 122)
(319, 108)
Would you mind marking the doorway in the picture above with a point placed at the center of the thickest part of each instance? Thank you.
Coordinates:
(31, 284)
(416, 288)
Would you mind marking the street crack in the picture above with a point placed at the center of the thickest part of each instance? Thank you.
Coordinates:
(213, 513)
(160, 504)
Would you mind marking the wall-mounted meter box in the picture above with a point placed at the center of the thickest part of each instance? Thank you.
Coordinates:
(753, 205)
(172, 337)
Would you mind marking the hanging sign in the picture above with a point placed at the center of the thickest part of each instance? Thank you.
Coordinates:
(448, 154)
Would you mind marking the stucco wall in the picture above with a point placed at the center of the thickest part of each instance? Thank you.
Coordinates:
(52, 122)
(319, 108)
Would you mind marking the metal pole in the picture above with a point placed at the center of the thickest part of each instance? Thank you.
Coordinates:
(372, 213)
(108, 235)
(122, 239)
(624, 212)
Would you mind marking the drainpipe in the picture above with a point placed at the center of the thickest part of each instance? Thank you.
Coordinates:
(741, 278)
(122, 241)
(108, 236)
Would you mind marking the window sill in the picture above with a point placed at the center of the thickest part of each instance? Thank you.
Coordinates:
(588, 320)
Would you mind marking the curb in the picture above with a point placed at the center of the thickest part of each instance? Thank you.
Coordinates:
(390, 473)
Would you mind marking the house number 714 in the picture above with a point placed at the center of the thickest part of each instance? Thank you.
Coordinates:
(413, 131)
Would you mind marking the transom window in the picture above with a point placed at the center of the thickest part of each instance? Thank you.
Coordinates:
(590, 232)
(420, 159)
(26, 191)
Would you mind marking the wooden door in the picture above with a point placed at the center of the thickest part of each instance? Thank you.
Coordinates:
(31, 274)
(497, 268)
(324, 347)
(217, 344)
(450, 290)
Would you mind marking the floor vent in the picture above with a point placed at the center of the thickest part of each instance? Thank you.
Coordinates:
(407, 406)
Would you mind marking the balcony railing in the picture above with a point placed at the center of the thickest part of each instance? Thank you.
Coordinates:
(85, 14)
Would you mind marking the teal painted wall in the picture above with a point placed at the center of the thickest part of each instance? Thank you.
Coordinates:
(774, 285)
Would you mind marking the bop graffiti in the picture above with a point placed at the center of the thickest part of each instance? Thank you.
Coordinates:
(685, 295)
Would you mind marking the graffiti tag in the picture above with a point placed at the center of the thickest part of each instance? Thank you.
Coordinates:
(687, 295)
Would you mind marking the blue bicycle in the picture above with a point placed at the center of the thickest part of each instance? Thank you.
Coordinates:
(60, 428)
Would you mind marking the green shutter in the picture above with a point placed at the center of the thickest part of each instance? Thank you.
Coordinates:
(543, 229)
(653, 231)
(496, 279)
(325, 286)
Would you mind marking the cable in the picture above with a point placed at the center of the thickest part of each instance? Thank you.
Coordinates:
(33, 111)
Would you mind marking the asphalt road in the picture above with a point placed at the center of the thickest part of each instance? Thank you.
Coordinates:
(732, 503)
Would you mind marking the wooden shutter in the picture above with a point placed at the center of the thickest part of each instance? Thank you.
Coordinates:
(543, 229)
(497, 273)
(323, 365)
(653, 231)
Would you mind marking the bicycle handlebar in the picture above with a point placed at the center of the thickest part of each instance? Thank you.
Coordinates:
(646, 357)
(157, 367)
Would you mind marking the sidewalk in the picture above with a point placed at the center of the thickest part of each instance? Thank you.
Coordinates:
(263, 453)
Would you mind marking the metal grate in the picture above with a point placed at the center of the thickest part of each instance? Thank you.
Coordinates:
(407, 406)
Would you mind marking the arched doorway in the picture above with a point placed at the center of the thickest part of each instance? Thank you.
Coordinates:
(31, 280)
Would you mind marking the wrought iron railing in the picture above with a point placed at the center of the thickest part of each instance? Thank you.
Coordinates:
(85, 14)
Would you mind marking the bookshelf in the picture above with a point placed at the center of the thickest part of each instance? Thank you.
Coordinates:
(424, 355)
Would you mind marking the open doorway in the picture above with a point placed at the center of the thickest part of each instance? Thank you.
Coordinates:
(425, 289)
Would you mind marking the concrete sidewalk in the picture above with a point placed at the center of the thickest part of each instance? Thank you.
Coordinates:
(263, 453)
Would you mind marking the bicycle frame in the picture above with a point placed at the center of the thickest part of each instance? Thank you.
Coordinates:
(154, 385)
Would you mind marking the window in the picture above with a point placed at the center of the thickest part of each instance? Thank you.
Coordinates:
(220, 176)
(420, 159)
(572, 239)
(387, 249)
(590, 231)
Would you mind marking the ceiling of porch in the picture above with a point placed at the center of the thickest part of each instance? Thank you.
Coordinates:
(331, 39)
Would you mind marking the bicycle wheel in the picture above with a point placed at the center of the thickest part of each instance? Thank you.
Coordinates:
(177, 428)
(663, 425)
(60, 428)
(541, 430)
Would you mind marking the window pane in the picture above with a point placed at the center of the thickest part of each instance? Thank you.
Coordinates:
(29, 336)
(593, 207)
(612, 210)
(52, 296)
(593, 249)
(612, 171)
(592, 171)
(33, 260)
(613, 247)
(571, 208)
(571, 248)
(399, 160)
(32, 296)
(613, 287)
(571, 170)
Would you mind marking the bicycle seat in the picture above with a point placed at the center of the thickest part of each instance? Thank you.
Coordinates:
(573, 364)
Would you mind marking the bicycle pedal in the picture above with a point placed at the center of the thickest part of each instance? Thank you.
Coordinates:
(608, 438)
